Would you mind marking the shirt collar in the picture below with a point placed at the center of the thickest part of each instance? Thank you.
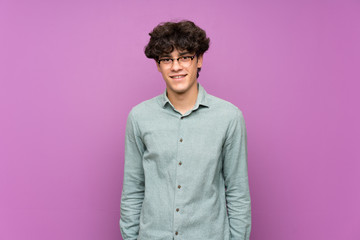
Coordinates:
(200, 100)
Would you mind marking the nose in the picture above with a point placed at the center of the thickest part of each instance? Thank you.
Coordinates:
(175, 65)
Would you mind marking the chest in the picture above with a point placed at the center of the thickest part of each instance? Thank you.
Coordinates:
(197, 136)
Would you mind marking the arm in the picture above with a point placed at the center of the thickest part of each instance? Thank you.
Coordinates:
(236, 179)
(133, 184)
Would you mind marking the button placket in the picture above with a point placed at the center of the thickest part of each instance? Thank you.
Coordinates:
(180, 163)
(178, 194)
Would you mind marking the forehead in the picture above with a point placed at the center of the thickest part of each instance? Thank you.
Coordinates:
(175, 53)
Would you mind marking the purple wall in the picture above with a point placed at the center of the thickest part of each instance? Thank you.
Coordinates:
(70, 71)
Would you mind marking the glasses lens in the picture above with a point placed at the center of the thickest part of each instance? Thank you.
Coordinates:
(183, 61)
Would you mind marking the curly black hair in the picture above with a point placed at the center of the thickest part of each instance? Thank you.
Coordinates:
(183, 35)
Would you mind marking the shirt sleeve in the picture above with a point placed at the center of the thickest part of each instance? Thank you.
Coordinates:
(236, 179)
(133, 182)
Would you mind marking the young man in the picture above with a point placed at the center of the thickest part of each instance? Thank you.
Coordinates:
(185, 173)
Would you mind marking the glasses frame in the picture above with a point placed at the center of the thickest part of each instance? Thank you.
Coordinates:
(172, 60)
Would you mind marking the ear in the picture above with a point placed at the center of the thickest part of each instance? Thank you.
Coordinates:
(199, 61)
(158, 66)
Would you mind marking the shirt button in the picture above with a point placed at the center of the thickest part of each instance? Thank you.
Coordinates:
(180, 163)
(181, 139)
(177, 209)
(179, 187)
(176, 233)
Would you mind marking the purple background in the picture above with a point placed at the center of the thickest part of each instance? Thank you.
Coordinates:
(70, 72)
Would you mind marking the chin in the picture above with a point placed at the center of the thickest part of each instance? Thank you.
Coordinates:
(179, 87)
(179, 90)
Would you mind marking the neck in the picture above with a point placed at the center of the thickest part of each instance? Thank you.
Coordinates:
(183, 102)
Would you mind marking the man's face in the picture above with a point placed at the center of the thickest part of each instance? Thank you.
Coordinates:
(180, 77)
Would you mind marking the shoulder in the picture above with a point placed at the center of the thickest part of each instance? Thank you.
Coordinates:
(144, 108)
(225, 108)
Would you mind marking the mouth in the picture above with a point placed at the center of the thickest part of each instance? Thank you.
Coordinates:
(178, 76)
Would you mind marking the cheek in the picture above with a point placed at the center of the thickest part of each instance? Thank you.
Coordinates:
(165, 76)
(194, 71)
(163, 73)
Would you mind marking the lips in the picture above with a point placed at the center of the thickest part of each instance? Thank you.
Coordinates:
(178, 76)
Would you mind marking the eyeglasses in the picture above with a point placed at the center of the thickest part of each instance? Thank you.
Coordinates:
(184, 61)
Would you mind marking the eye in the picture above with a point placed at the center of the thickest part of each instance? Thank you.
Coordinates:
(185, 58)
(166, 60)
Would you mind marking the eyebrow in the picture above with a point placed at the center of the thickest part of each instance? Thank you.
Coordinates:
(184, 53)
(169, 56)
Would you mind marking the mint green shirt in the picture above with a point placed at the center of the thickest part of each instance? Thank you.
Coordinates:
(185, 176)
